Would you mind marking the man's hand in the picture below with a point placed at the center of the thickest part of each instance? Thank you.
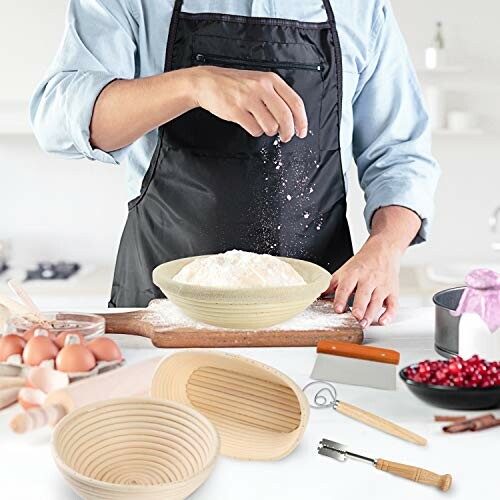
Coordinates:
(373, 273)
(261, 102)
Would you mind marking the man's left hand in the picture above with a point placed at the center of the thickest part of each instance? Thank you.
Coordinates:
(373, 275)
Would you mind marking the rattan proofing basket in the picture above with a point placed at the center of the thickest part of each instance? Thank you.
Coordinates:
(249, 308)
(259, 412)
(135, 448)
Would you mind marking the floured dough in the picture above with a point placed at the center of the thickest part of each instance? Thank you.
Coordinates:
(237, 269)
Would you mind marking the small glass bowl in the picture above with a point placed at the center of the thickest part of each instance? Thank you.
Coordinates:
(88, 325)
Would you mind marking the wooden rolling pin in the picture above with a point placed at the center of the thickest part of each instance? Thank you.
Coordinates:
(8, 397)
(126, 381)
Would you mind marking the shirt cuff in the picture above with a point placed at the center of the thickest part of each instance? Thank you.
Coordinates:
(85, 89)
(415, 199)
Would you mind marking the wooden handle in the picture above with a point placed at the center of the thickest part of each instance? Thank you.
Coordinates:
(34, 418)
(8, 396)
(415, 474)
(22, 294)
(358, 351)
(10, 382)
(379, 423)
(128, 323)
(13, 306)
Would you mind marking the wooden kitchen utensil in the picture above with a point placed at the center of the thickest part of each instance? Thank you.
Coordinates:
(326, 397)
(128, 380)
(8, 396)
(12, 382)
(339, 452)
(151, 323)
(362, 365)
(25, 298)
(259, 412)
(135, 448)
(13, 306)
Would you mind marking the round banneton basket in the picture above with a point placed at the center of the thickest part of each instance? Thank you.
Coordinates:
(248, 308)
(137, 448)
(259, 412)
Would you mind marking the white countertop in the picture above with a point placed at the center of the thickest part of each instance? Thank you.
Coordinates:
(28, 472)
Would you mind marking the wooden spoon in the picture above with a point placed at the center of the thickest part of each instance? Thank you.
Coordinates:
(23, 295)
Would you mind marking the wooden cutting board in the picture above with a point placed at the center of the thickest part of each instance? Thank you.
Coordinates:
(318, 322)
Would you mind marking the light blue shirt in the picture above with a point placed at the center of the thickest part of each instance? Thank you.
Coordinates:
(384, 127)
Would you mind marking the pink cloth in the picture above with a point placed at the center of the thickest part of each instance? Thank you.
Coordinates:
(482, 296)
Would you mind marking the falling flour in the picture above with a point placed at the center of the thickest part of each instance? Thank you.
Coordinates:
(319, 316)
(237, 270)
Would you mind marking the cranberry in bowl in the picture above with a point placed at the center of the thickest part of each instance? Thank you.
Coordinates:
(456, 384)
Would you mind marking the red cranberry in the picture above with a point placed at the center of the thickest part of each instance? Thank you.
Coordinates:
(455, 367)
(469, 369)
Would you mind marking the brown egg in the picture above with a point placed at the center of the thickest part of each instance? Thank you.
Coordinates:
(105, 349)
(38, 330)
(61, 338)
(11, 344)
(38, 349)
(74, 358)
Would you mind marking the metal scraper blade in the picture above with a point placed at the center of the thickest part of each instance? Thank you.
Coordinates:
(332, 449)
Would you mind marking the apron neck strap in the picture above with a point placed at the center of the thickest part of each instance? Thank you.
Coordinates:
(177, 7)
(329, 11)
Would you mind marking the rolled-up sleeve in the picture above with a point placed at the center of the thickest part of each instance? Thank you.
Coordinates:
(392, 140)
(98, 47)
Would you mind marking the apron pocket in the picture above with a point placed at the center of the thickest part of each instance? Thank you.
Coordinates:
(298, 64)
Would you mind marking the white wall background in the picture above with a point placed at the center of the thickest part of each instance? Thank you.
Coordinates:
(53, 208)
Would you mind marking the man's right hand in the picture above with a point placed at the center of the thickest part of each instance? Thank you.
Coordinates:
(260, 101)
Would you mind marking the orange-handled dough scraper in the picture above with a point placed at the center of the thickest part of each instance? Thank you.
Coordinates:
(356, 364)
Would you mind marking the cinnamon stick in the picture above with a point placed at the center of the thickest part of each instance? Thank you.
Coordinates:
(449, 418)
(474, 424)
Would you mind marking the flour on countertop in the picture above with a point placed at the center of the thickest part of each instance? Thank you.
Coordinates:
(318, 316)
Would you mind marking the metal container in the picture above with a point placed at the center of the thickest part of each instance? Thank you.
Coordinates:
(446, 325)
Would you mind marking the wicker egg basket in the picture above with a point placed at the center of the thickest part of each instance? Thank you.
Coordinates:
(247, 308)
(135, 448)
(259, 412)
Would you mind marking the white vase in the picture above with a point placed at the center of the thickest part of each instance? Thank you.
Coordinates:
(474, 337)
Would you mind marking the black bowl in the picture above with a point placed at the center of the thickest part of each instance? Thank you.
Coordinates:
(454, 398)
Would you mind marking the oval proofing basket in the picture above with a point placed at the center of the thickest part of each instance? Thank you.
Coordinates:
(248, 308)
(137, 448)
(259, 412)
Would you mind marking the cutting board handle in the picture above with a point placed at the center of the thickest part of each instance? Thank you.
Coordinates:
(128, 323)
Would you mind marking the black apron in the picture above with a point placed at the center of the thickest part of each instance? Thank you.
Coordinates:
(212, 187)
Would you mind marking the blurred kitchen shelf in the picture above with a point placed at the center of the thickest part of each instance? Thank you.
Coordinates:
(445, 70)
(14, 118)
(458, 133)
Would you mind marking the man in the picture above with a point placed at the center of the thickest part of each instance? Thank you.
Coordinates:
(191, 97)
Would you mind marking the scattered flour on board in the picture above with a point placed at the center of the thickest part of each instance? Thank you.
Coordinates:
(318, 316)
